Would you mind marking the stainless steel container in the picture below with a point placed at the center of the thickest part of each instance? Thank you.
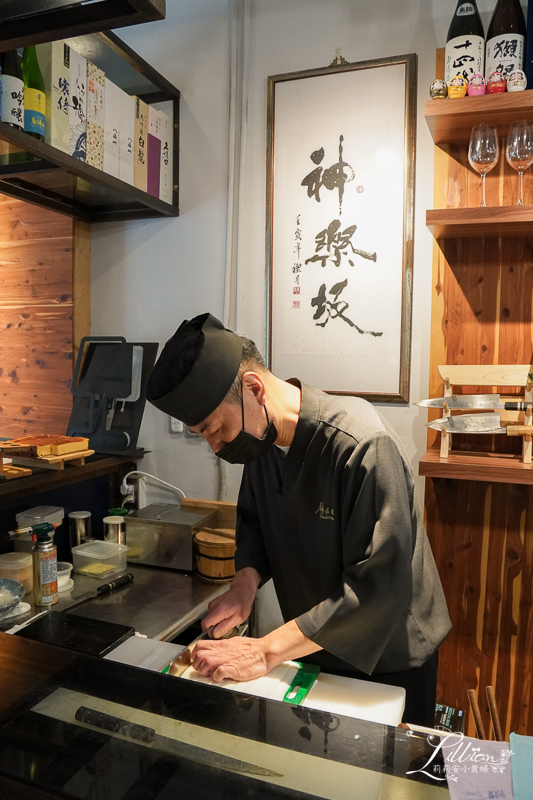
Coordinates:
(79, 527)
(115, 529)
(162, 535)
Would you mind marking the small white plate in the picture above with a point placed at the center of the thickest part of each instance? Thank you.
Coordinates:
(67, 587)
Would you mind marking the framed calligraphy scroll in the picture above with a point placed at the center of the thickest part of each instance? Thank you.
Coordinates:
(340, 197)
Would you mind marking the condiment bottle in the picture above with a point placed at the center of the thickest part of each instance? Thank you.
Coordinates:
(44, 554)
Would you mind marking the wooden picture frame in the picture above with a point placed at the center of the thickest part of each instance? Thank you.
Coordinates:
(339, 239)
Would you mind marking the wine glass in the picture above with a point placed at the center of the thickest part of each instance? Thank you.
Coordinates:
(483, 152)
(519, 151)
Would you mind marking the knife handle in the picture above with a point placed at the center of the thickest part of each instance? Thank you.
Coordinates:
(519, 430)
(516, 406)
(107, 722)
(120, 581)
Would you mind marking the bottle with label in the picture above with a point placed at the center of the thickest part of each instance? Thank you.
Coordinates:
(44, 567)
(34, 95)
(465, 44)
(12, 105)
(506, 39)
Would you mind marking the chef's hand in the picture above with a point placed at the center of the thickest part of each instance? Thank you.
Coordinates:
(235, 606)
(239, 658)
(242, 659)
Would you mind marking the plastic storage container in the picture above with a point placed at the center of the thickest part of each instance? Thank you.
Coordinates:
(35, 516)
(99, 559)
(39, 514)
(141, 541)
(18, 567)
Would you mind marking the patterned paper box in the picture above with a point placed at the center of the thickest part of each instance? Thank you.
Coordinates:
(154, 152)
(166, 177)
(78, 105)
(54, 61)
(140, 145)
(127, 133)
(95, 115)
(112, 129)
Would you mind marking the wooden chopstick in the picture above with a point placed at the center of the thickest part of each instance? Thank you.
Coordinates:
(476, 714)
(494, 713)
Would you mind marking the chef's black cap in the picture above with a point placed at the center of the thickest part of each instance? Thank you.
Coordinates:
(195, 370)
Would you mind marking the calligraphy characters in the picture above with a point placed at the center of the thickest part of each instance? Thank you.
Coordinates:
(62, 101)
(333, 244)
(506, 51)
(17, 107)
(335, 308)
(333, 177)
(465, 57)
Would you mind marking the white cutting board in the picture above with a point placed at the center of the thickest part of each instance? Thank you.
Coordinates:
(350, 697)
(375, 702)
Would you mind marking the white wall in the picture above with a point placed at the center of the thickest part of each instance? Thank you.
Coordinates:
(148, 276)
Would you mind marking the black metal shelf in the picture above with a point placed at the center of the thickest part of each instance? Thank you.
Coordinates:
(26, 22)
(37, 173)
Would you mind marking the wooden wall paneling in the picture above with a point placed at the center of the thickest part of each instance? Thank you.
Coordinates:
(81, 284)
(516, 339)
(36, 309)
(481, 535)
(481, 532)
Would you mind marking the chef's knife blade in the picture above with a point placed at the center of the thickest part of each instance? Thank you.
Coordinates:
(144, 735)
(103, 588)
(468, 423)
(180, 664)
(473, 401)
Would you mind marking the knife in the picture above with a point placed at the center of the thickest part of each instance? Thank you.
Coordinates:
(144, 735)
(103, 588)
(469, 423)
(473, 401)
(178, 666)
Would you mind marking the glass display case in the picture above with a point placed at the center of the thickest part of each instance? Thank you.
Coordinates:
(76, 726)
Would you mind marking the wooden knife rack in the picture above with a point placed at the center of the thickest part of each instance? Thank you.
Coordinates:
(492, 376)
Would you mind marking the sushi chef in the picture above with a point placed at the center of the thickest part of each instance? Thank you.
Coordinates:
(326, 508)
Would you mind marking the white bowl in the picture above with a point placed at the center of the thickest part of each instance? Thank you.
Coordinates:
(63, 573)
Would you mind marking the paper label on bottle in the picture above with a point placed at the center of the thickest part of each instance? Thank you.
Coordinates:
(505, 53)
(464, 55)
(12, 108)
(34, 111)
(48, 568)
(465, 10)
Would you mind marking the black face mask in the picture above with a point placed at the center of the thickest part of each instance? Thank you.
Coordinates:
(246, 447)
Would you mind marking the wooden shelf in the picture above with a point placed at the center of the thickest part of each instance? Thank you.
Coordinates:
(453, 120)
(27, 22)
(451, 223)
(37, 173)
(486, 467)
(43, 480)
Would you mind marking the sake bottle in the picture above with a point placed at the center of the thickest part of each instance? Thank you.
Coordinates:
(34, 94)
(506, 38)
(465, 44)
(12, 105)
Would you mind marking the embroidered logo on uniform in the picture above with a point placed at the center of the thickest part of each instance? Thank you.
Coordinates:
(325, 513)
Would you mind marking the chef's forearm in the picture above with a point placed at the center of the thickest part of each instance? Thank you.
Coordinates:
(286, 643)
(247, 580)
